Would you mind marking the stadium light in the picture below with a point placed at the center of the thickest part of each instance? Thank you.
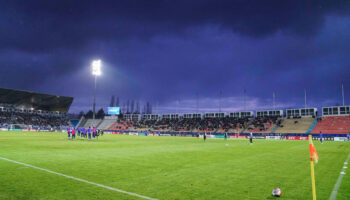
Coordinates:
(96, 67)
(96, 71)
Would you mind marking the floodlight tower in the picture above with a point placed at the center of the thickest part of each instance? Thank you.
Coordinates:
(96, 71)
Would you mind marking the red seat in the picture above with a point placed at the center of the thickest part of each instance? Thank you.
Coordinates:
(333, 124)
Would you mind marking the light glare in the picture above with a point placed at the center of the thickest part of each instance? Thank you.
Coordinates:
(96, 67)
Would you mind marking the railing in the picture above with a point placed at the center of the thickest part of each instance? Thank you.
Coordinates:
(314, 123)
(81, 119)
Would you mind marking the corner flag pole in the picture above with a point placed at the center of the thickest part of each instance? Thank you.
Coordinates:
(312, 171)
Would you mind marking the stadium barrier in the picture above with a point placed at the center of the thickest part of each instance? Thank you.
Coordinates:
(340, 139)
(297, 138)
(238, 136)
(213, 135)
(261, 137)
(31, 130)
(273, 137)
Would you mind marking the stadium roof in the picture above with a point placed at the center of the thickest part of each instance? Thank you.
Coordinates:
(37, 101)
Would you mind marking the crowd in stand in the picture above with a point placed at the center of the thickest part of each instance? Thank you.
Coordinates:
(123, 124)
(230, 123)
(35, 120)
(187, 124)
(263, 123)
(226, 124)
(144, 124)
(165, 124)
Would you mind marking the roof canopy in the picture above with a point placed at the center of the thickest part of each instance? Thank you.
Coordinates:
(37, 101)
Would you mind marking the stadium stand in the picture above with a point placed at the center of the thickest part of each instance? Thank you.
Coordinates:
(165, 124)
(30, 110)
(34, 120)
(226, 124)
(122, 125)
(106, 123)
(209, 124)
(143, 125)
(74, 122)
(295, 125)
(263, 124)
(35, 101)
(333, 124)
(187, 124)
(91, 122)
(81, 122)
(302, 121)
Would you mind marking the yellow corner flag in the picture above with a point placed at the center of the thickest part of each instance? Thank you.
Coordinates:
(313, 157)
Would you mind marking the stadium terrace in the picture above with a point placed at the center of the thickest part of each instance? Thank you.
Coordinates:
(23, 110)
(33, 111)
(334, 121)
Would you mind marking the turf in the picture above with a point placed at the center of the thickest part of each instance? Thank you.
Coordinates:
(166, 167)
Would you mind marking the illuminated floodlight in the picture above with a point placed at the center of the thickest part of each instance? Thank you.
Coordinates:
(96, 67)
(96, 71)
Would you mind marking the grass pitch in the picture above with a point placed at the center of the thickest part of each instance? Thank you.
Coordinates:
(166, 167)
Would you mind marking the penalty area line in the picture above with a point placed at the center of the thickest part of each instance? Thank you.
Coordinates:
(81, 180)
(340, 178)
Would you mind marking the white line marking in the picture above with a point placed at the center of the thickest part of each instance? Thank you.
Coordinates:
(81, 180)
(337, 185)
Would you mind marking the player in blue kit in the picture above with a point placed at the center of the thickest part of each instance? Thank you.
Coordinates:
(89, 132)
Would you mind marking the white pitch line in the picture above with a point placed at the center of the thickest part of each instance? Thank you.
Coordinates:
(337, 184)
(79, 179)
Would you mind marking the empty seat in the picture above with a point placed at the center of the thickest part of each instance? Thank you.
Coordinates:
(333, 124)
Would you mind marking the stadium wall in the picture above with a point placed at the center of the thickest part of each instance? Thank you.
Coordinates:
(214, 135)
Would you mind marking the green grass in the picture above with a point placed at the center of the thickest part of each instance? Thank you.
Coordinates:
(166, 167)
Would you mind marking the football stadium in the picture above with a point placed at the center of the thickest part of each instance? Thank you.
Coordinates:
(236, 155)
(175, 100)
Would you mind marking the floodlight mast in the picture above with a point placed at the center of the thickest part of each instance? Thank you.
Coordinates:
(96, 71)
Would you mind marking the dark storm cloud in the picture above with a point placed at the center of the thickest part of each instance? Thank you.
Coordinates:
(169, 51)
(46, 25)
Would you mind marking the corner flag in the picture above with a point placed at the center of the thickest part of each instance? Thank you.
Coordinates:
(313, 152)
(313, 157)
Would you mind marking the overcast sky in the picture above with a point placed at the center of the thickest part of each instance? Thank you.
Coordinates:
(172, 53)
